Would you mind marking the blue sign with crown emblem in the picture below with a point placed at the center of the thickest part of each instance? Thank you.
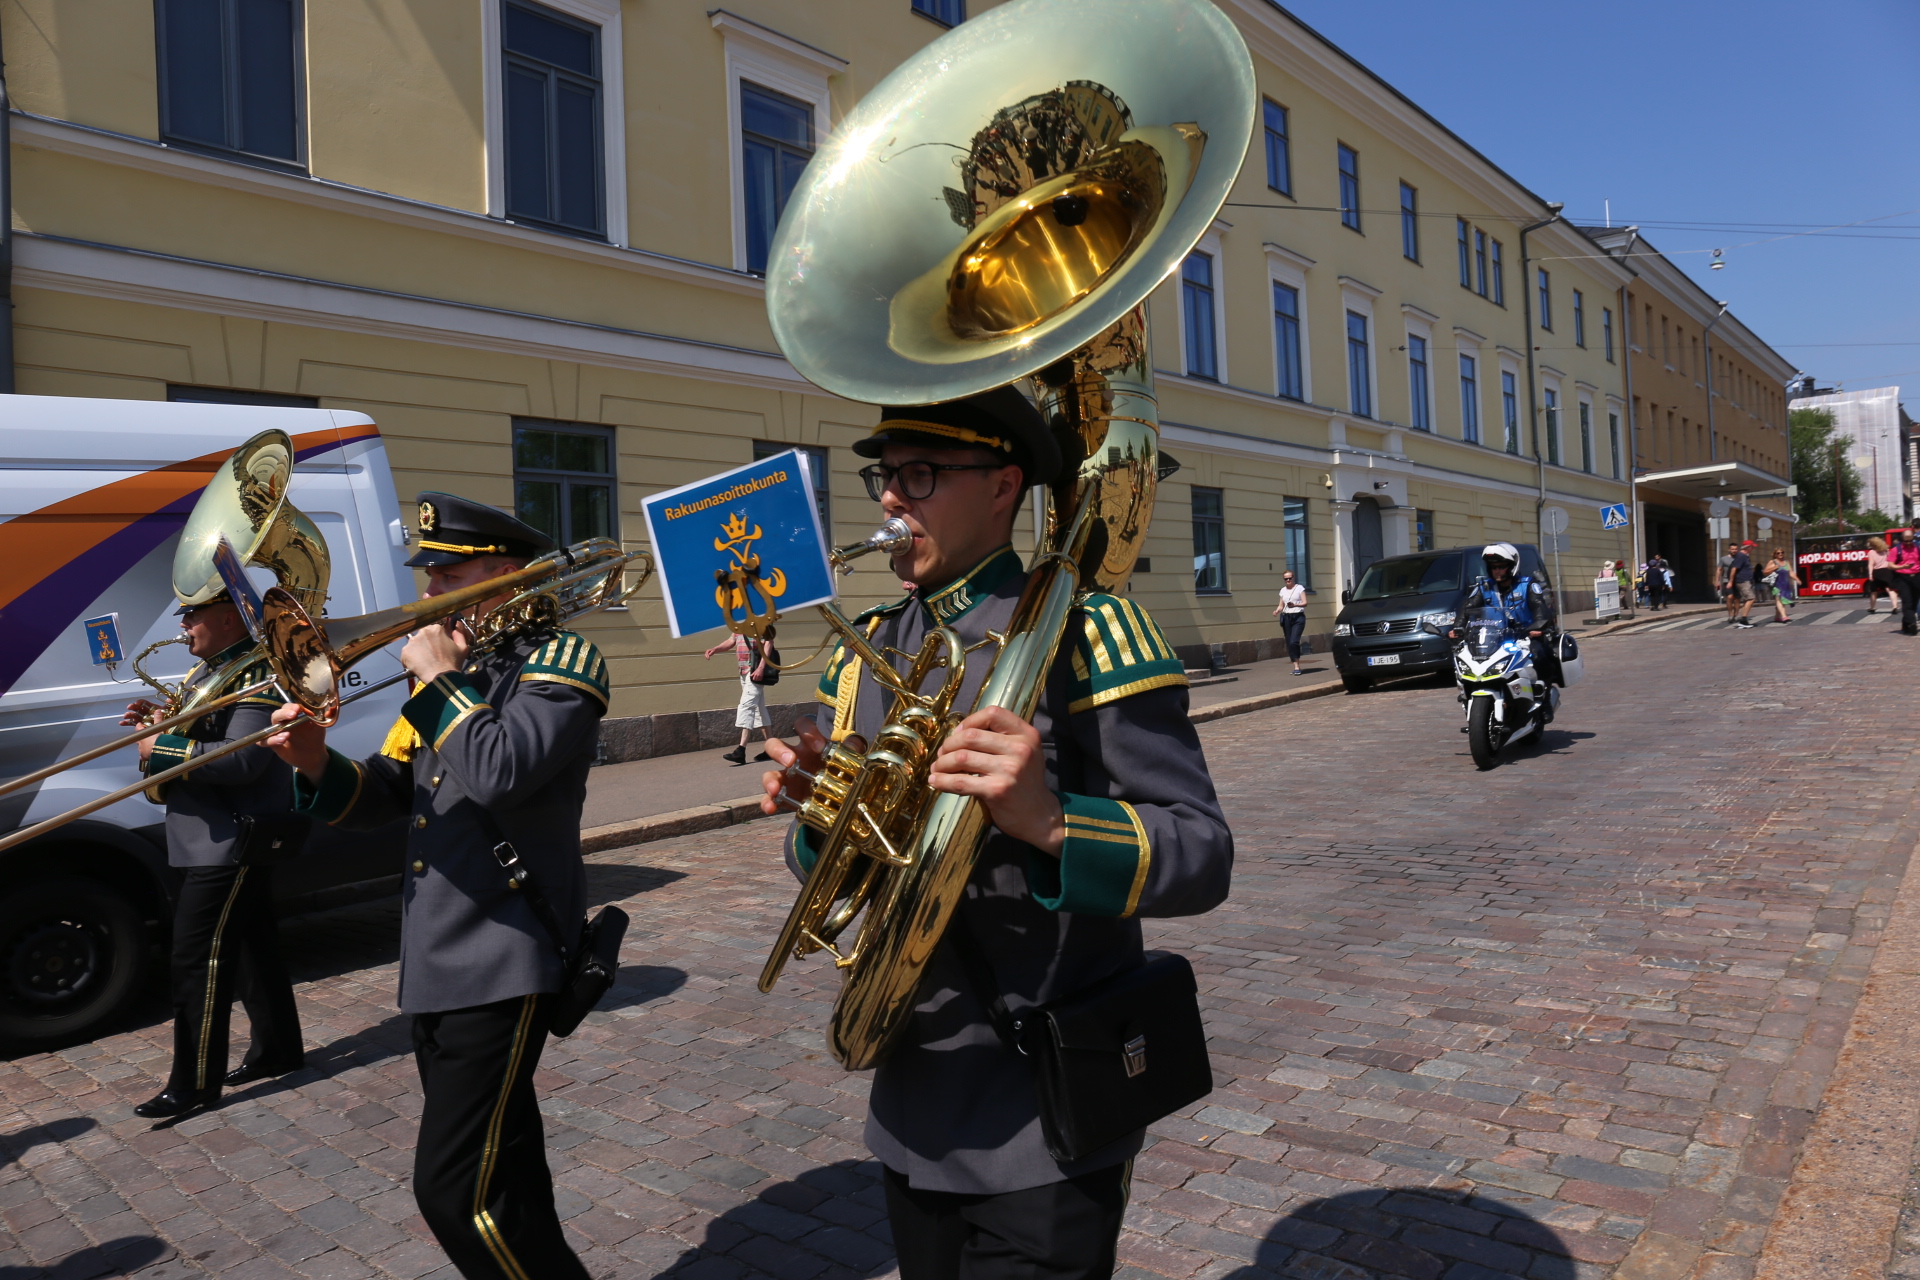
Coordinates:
(745, 545)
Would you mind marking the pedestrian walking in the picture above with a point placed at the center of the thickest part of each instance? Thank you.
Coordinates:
(1723, 588)
(1904, 558)
(1659, 582)
(1774, 575)
(1292, 612)
(225, 941)
(1740, 586)
(751, 713)
(1880, 579)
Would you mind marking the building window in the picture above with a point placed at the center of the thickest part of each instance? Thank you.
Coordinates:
(1464, 232)
(1299, 563)
(1469, 399)
(1409, 223)
(1480, 262)
(948, 13)
(553, 130)
(776, 141)
(1279, 157)
(1579, 319)
(1359, 395)
(1422, 529)
(1586, 436)
(230, 76)
(1510, 412)
(1286, 341)
(1553, 425)
(1546, 299)
(1196, 295)
(815, 459)
(1349, 187)
(1606, 331)
(1499, 290)
(1419, 401)
(563, 479)
(1613, 441)
(1209, 542)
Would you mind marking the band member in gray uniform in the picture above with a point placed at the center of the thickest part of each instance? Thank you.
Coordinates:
(1104, 813)
(224, 936)
(486, 750)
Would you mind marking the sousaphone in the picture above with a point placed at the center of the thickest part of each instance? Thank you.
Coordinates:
(997, 209)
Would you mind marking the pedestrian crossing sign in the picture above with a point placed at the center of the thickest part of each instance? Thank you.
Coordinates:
(1613, 516)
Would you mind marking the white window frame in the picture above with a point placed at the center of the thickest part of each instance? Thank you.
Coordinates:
(1468, 343)
(1286, 267)
(604, 14)
(1513, 362)
(762, 56)
(1209, 245)
(1419, 324)
(1583, 397)
(1553, 432)
(1358, 297)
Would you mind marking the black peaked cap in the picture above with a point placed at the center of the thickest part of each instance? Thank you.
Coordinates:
(1000, 421)
(453, 530)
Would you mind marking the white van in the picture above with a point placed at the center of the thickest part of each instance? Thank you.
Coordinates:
(93, 495)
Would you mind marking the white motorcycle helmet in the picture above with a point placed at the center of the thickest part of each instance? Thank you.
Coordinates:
(1500, 550)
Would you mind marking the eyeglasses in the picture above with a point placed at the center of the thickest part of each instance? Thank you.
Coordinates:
(916, 479)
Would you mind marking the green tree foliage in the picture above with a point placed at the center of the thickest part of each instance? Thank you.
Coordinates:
(1815, 455)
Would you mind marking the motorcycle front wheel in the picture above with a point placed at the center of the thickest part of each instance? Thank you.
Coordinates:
(1483, 736)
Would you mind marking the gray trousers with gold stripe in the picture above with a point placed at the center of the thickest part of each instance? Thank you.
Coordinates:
(480, 1170)
(225, 943)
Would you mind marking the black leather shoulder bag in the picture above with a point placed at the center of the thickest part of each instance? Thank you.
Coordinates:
(1109, 1059)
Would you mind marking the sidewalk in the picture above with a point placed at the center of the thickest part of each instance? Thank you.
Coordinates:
(643, 800)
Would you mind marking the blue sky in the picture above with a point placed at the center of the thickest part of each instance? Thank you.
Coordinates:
(1699, 111)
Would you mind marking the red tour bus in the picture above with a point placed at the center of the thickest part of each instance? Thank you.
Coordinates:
(1835, 564)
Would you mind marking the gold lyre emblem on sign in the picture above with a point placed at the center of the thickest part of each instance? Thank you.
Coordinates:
(741, 577)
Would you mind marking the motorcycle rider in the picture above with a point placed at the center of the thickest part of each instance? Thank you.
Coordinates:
(1526, 603)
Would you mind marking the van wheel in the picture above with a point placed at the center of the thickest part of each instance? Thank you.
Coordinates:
(1356, 684)
(69, 959)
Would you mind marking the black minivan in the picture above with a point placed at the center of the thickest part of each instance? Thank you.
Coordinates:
(1378, 631)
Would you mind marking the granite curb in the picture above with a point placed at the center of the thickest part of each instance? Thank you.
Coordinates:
(727, 813)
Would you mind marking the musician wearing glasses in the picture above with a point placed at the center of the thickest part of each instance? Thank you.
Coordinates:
(488, 750)
(1104, 813)
(225, 941)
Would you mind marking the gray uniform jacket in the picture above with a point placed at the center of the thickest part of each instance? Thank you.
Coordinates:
(513, 737)
(952, 1108)
(201, 805)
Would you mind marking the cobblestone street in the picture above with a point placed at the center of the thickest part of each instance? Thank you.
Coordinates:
(1570, 1018)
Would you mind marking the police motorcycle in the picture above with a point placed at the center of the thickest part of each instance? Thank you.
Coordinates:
(1505, 697)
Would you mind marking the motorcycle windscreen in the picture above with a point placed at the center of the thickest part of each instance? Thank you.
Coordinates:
(1486, 630)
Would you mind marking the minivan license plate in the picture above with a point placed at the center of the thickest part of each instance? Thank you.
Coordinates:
(1384, 660)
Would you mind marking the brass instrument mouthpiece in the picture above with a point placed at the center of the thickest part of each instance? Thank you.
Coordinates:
(893, 537)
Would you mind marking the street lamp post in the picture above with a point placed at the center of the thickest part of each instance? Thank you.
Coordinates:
(1533, 395)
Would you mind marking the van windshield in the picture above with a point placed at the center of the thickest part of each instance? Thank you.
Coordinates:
(1411, 576)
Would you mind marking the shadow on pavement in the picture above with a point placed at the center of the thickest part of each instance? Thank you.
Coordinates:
(114, 1258)
(831, 1217)
(618, 881)
(15, 1145)
(1411, 1232)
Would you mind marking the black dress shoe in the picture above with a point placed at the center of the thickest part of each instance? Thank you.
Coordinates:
(171, 1104)
(248, 1072)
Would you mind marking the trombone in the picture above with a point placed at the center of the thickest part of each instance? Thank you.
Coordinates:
(309, 655)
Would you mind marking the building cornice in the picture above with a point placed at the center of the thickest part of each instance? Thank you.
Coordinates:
(135, 275)
(738, 28)
(1353, 284)
(1419, 313)
(1300, 260)
(105, 147)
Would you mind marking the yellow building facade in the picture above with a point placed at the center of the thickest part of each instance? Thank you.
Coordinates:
(523, 237)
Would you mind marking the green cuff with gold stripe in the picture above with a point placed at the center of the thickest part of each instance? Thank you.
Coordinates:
(169, 749)
(338, 789)
(1102, 866)
(440, 706)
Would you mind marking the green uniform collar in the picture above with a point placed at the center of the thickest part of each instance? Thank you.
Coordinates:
(952, 601)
